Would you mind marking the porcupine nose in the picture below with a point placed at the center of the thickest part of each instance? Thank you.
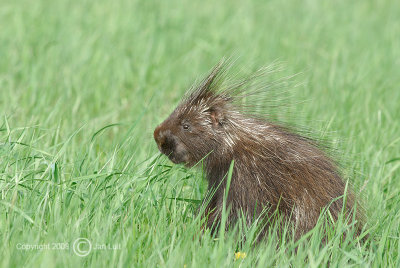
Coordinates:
(157, 136)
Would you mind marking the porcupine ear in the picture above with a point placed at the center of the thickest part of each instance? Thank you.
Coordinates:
(216, 116)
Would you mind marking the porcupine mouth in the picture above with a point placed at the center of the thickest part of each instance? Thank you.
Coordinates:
(174, 160)
(173, 155)
(178, 156)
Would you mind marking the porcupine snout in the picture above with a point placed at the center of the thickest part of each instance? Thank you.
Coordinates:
(164, 142)
(170, 145)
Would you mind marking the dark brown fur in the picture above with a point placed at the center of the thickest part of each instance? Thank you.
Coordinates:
(274, 168)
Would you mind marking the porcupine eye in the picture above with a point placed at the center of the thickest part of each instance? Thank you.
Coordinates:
(186, 126)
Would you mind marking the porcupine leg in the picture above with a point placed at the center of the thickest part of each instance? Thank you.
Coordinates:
(210, 216)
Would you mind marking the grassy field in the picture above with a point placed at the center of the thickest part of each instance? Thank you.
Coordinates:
(83, 84)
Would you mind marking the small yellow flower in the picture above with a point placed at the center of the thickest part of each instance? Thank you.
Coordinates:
(240, 255)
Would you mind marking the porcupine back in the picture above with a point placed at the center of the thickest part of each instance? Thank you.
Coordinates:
(274, 168)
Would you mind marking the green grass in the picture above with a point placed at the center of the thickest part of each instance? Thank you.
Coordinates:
(84, 83)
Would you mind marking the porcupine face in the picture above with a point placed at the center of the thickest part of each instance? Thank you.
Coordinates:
(188, 135)
(167, 138)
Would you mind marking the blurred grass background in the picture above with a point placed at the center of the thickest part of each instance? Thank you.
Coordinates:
(84, 83)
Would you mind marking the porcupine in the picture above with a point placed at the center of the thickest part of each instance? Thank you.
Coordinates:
(274, 168)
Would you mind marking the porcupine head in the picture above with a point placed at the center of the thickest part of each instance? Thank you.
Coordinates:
(206, 123)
